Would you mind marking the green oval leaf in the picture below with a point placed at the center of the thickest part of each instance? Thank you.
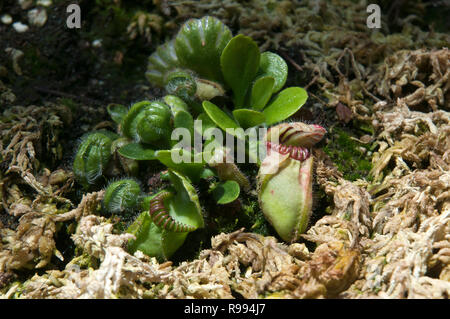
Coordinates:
(226, 192)
(248, 118)
(207, 173)
(219, 117)
(206, 122)
(285, 104)
(240, 63)
(261, 92)
(273, 65)
(189, 168)
(137, 151)
(184, 119)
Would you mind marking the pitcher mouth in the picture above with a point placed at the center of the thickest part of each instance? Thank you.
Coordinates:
(296, 134)
(298, 153)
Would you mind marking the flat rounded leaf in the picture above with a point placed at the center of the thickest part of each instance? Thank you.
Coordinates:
(219, 117)
(248, 118)
(203, 124)
(240, 63)
(273, 65)
(117, 112)
(207, 173)
(261, 92)
(137, 151)
(181, 161)
(226, 192)
(206, 122)
(184, 119)
(285, 104)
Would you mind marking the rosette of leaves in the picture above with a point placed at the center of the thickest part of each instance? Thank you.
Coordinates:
(145, 128)
(255, 80)
(204, 61)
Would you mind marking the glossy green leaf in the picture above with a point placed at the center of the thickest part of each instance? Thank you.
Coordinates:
(206, 122)
(189, 168)
(261, 92)
(117, 112)
(207, 173)
(219, 117)
(240, 62)
(137, 151)
(184, 119)
(181, 116)
(248, 118)
(273, 65)
(285, 104)
(226, 192)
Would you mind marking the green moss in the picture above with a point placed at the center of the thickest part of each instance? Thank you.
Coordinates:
(85, 261)
(258, 221)
(349, 155)
(71, 104)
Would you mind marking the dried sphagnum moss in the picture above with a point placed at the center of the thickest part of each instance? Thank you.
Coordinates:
(425, 73)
